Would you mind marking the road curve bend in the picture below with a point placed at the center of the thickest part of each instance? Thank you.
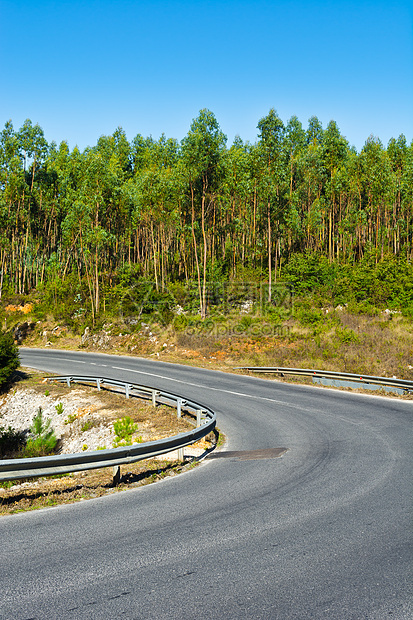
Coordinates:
(323, 531)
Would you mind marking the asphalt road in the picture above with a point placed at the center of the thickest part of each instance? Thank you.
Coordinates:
(323, 532)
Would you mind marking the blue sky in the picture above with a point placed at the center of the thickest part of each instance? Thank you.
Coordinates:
(81, 69)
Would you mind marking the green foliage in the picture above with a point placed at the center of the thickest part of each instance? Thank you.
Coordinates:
(373, 283)
(9, 357)
(346, 335)
(180, 322)
(309, 316)
(124, 429)
(307, 272)
(11, 441)
(59, 408)
(62, 297)
(123, 228)
(42, 441)
(362, 307)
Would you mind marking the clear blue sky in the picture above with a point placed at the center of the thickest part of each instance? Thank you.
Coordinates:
(81, 69)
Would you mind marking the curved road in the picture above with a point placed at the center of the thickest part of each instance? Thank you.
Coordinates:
(323, 532)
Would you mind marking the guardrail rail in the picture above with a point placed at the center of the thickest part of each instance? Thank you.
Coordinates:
(403, 385)
(15, 469)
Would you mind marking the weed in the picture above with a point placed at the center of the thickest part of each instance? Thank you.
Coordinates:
(221, 438)
(47, 393)
(84, 447)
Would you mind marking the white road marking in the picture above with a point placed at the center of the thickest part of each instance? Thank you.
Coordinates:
(206, 387)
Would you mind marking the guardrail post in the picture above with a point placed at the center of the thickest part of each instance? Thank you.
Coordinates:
(116, 475)
(68, 381)
(198, 416)
(127, 386)
(180, 454)
(154, 395)
(179, 403)
(98, 384)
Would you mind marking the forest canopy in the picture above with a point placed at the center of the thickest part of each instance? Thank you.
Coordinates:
(199, 209)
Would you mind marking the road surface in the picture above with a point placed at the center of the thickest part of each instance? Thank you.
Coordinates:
(324, 531)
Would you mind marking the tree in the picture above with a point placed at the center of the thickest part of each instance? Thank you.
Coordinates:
(294, 144)
(202, 151)
(334, 148)
(271, 140)
(314, 131)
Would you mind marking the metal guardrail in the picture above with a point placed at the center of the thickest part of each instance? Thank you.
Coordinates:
(14, 469)
(406, 386)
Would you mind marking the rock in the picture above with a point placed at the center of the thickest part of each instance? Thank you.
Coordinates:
(86, 336)
(22, 330)
(246, 306)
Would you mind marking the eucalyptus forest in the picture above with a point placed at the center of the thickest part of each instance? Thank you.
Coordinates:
(298, 205)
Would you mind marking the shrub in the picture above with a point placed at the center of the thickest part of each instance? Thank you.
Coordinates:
(309, 316)
(124, 429)
(43, 440)
(11, 441)
(346, 335)
(9, 357)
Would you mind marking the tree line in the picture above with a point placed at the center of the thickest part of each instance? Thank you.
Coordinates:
(198, 209)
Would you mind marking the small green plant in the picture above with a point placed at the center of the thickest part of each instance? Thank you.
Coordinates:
(124, 429)
(43, 440)
(59, 408)
(84, 447)
(47, 393)
(71, 418)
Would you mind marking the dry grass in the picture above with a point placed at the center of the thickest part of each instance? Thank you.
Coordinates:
(379, 345)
